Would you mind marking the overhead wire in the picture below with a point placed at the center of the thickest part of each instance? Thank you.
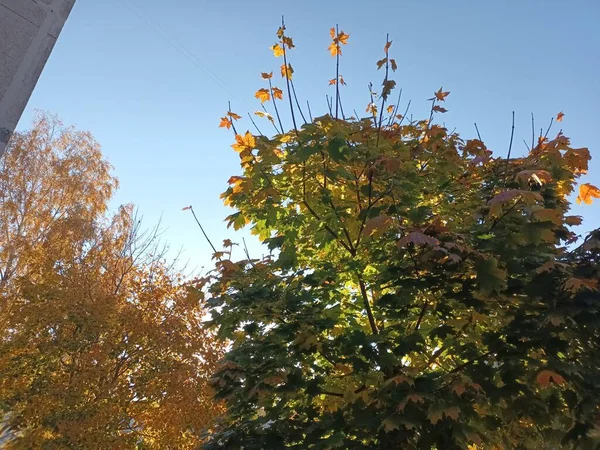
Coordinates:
(181, 48)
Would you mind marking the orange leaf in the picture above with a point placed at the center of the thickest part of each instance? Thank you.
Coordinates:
(394, 65)
(381, 62)
(545, 377)
(439, 109)
(277, 93)
(233, 115)
(378, 225)
(387, 46)
(332, 32)
(390, 109)
(225, 123)
(263, 95)
(266, 75)
(559, 116)
(574, 285)
(277, 50)
(332, 81)
(343, 38)
(587, 192)
(288, 41)
(441, 95)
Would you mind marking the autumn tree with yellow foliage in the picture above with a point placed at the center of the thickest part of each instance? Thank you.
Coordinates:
(421, 291)
(101, 344)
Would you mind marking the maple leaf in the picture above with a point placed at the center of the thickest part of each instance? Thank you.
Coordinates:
(266, 75)
(390, 109)
(439, 109)
(265, 115)
(288, 41)
(245, 142)
(394, 65)
(377, 226)
(546, 377)
(334, 49)
(381, 62)
(342, 82)
(332, 81)
(263, 95)
(437, 414)
(440, 95)
(277, 50)
(186, 208)
(490, 277)
(233, 115)
(225, 123)
(573, 220)
(343, 37)
(387, 46)
(418, 239)
(574, 285)
(227, 243)
(587, 192)
(287, 73)
(541, 175)
(332, 32)
(277, 93)
(559, 116)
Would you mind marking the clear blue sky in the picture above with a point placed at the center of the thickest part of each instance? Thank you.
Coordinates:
(151, 100)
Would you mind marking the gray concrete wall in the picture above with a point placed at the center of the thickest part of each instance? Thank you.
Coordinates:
(28, 32)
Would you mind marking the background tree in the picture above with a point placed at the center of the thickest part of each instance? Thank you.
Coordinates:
(420, 293)
(101, 343)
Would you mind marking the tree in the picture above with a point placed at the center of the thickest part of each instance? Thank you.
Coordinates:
(420, 291)
(101, 343)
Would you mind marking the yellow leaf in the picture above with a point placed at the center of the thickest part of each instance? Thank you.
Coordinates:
(245, 142)
(587, 192)
(277, 50)
(263, 95)
(545, 377)
(559, 116)
(334, 49)
(390, 109)
(287, 73)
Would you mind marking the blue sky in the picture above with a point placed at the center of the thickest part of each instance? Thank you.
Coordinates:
(150, 80)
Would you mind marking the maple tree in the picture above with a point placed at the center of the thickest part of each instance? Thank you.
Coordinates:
(101, 343)
(421, 292)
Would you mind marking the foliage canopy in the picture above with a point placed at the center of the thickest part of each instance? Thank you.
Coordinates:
(101, 346)
(421, 292)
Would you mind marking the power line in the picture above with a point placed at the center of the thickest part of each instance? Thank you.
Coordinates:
(181, 48)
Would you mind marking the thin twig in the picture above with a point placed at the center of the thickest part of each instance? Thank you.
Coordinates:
(275, 103)
(477, 129)
(367, 304)
(337, 74)
(254, 123)
(512, 133)
(287, 80)
(202, 229)
(309, 112)
(549, 126)
(532, 131)
(296, 99)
